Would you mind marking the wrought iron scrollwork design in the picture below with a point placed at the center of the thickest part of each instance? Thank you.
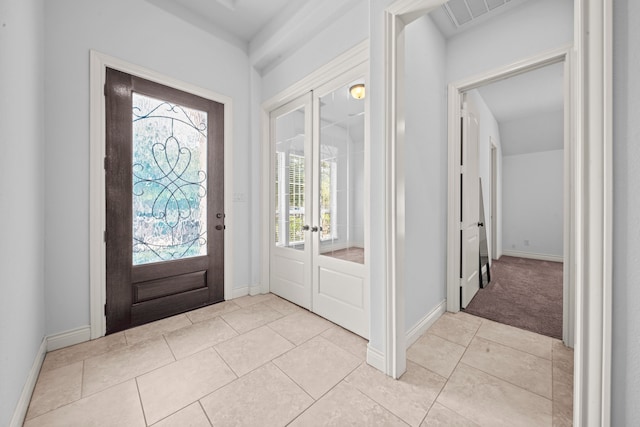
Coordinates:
(168, 186)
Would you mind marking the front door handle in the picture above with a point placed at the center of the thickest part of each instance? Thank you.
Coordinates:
(314, 229)
(305, 227)
(481, 224)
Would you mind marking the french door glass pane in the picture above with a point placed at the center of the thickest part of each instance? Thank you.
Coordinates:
(341, 167)
(169, 181)
(290, 180)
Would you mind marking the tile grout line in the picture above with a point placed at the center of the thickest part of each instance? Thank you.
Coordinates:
(198, 399)
(204, 410)
(227, 365)
(175, 359)
(228, 324)
(144, 415)
(298, 385)
(509, 340)
(506, 381)
(487, 373)
(364, 392)
(140, 374)
(452, 372)
(325, 393)
(457, 413)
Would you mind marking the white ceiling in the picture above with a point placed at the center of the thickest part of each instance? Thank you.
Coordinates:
(526, 94)
(477, 13)
(241, 18)
(529, 110)
(527, 107)
(268, 30)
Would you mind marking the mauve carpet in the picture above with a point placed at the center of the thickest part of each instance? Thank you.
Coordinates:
(524, 293)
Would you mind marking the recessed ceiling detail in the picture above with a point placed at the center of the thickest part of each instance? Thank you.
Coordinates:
(462, 12)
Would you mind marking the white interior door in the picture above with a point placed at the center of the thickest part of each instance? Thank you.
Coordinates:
(470, 247)
(291, 166)
(340, 282)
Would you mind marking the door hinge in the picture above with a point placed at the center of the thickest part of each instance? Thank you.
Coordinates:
(105, 309)
(104, 236)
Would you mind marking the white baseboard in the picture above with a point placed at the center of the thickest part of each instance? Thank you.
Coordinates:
(65, 339)
(247, 290)
(375, 358)
(425, 323)
(255, 290)
(240, 292)
(530, 255)
(23, 403)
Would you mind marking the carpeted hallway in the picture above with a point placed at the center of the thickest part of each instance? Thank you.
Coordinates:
(524, 293)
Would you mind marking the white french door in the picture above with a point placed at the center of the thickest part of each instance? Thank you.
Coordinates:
(318, 198)
(290, 249)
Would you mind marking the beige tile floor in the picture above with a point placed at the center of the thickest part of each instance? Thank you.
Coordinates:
(261, 361)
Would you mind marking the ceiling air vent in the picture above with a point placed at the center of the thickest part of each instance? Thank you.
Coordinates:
(462, 12)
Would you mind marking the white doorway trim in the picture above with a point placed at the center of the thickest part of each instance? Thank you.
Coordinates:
(456, 90)
(349, 66)
(357, 55)
(592, 162)
(97, 196)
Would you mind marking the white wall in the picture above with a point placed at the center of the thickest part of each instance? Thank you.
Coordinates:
(488, 132)
(534, 27)
(143, 34)
(425, 162)
(532, 204)
(344, 33)
(625, 387)
(22, 323)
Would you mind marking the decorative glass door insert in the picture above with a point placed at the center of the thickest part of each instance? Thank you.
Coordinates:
(169, 181)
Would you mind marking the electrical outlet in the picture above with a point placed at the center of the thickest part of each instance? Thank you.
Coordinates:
(239, 197)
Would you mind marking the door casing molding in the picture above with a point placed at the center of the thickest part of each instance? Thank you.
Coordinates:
(592, 163)
(455, 91)
(97, 195)
(357, 55)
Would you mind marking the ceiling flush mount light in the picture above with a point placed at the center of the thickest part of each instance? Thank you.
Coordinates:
(357, 91)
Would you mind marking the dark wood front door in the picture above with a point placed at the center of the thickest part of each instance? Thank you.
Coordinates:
(164, 174)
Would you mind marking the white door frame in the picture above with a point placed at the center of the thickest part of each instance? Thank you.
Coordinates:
(592, 162)
(357, 55)
(354, 58)
(456, 90)
(97, 192)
